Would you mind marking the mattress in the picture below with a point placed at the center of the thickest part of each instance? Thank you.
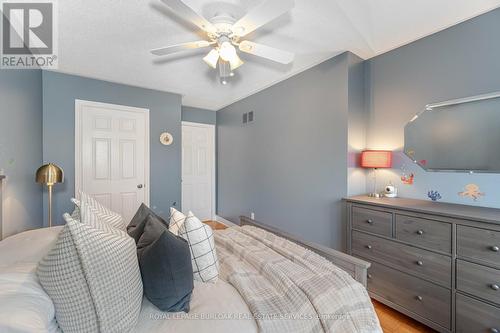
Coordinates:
(214, 307)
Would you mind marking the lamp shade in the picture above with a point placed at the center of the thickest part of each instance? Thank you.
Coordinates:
(49, 174)
(376, 159)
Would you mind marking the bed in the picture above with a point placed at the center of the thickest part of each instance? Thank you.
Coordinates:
(230, 305)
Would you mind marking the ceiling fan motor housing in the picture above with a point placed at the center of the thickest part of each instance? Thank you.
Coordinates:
(223, 22)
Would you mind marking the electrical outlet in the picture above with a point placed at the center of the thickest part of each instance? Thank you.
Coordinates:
(252, 215)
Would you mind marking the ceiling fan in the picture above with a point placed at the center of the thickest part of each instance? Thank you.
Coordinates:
(224, 34)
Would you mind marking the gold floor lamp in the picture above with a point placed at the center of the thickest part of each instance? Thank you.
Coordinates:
(49, 174)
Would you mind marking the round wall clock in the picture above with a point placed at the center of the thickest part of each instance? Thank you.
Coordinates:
(166, 139)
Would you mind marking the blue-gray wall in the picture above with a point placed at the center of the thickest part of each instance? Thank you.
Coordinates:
(59, 94)
(21, 148)
(289, 166)
(196, 115)
(461, 61)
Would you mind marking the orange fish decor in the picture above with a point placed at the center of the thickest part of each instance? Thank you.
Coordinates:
(472, 191)
(408, 179)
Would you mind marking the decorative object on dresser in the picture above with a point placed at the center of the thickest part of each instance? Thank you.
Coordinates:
(376, 159)
(49, 174)
(390, 191)
(438, 263)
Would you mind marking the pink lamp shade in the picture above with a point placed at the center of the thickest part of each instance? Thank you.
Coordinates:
(376, 159)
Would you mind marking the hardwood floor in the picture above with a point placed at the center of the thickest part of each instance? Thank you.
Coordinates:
(390, 320)
(395, 322)
(215, 225)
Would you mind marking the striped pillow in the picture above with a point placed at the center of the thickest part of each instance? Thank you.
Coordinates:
(105, 214)
(177, 220)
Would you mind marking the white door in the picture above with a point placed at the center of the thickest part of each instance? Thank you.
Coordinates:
(198, 170)
(112, 155)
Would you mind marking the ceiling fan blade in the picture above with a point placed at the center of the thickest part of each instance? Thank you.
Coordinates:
(187, 13)
(180, 47)
(263, 14)
(267, 52)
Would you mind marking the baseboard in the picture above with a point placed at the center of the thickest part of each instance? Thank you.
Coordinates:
(224, 221)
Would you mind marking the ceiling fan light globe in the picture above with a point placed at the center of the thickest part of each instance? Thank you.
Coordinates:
(212, 58)
(227, 51)
(235, 62)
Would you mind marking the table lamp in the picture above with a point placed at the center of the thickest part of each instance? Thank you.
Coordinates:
(376, 159)
(49, 174)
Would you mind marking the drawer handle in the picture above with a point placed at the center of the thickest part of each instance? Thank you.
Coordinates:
(419, 298)
(369, 247)
(420, 263)
(495, 248)
(369, 276)
(495, 287)
(420, 232)
(494, 330)
(369, 221)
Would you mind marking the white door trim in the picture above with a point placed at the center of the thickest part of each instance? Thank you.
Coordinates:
(79, 104)
(211, 127)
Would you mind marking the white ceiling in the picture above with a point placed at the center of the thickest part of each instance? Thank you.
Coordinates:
(110, 40)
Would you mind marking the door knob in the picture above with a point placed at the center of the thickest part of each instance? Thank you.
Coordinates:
(140, 186)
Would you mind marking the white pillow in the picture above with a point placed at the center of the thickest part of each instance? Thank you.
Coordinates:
(104, 213)
(177, 220)
(93, 278)
(202, 245)
(24, 305)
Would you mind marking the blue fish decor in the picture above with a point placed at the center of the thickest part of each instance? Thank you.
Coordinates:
(434, 195)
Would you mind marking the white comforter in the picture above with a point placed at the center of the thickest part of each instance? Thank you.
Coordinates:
(25, 307)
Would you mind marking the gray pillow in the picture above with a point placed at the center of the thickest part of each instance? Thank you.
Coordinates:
(93, 278)
(136, 226)
(165, 263)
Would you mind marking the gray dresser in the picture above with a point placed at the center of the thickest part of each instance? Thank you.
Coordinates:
(435, 262)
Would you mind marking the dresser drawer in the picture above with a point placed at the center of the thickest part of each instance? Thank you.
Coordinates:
(371, 220)
(479, 281)
(476, 317)
(478, 244)
(422, 232)
(425, 264)
(420, 297)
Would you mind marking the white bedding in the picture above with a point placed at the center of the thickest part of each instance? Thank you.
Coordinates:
(25, 307)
